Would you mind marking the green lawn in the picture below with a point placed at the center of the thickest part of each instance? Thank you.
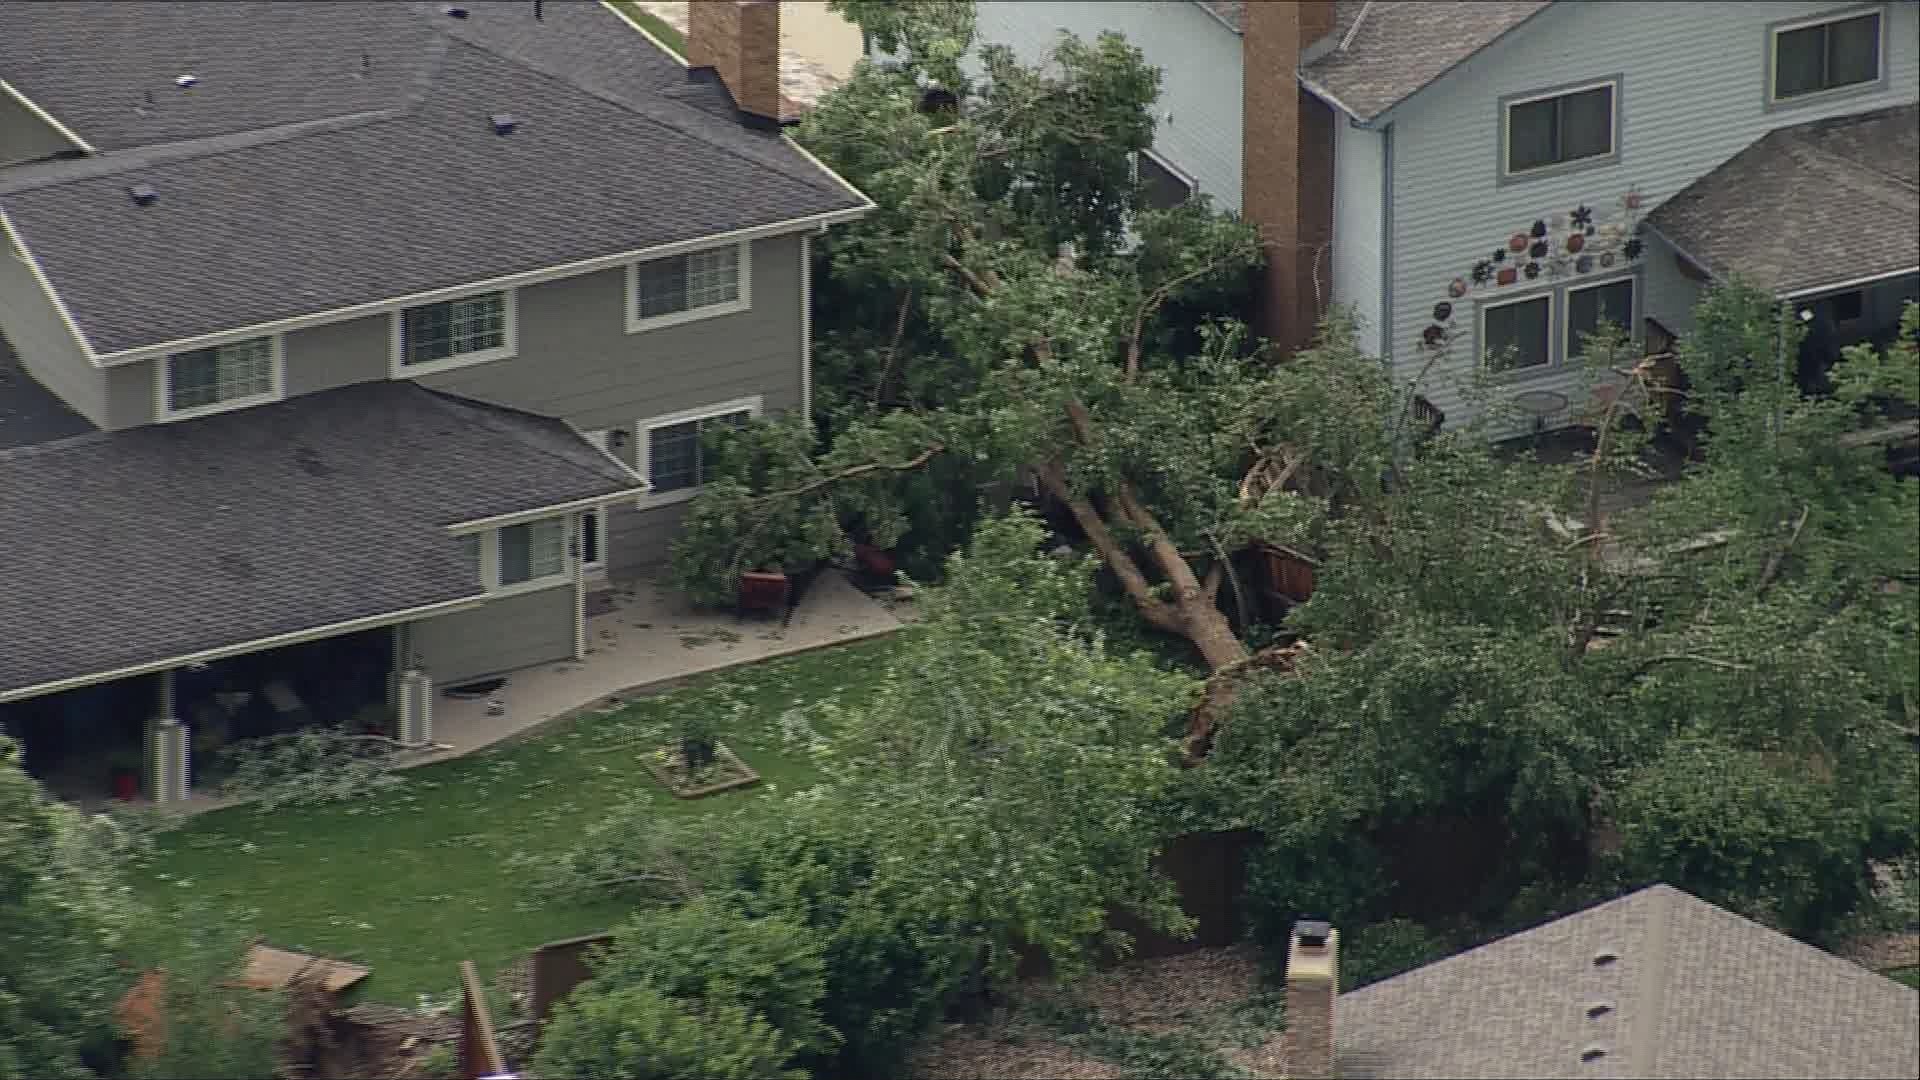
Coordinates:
(654, 25)
(1910, 976)
(413, 881)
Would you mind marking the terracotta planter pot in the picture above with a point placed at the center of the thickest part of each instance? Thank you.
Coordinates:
(1517, 242)
(873, 560)
(1576, 242)
(1508, 276)
(763, 590)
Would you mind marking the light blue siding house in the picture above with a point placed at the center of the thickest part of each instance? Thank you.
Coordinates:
(1505, 174)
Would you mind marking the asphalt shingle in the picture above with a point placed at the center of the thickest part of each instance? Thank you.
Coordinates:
(347, 194)
(1691, 990)
(1401, 46)
(1809, 205)
(214, 532)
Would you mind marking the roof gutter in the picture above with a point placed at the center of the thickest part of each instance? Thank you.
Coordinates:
(46, 117)
(517, 517)
(1852, 283)
(296, 637)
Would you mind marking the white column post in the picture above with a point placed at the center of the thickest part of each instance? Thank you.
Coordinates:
(169, 747)
(576, 555)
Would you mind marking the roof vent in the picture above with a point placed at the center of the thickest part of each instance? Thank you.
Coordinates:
(1605, 958)
(1598, 1009)
(186, 82)
(143, 194)
(1593, 1053)
(453, 12)
(503, 123)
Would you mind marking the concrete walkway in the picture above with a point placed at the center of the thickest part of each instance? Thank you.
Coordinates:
(651, 636)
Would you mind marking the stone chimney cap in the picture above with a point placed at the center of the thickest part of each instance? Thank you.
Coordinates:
(1312, 931)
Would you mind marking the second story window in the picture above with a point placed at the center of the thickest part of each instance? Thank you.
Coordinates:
(682, 288)
(220, 378)
(1551, 130)
(1827, 55)
(454, 333)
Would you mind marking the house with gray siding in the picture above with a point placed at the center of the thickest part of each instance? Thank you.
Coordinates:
(1479, 182)
(367, 339)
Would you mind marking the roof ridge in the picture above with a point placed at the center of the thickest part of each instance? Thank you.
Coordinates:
(111, 162)
(488, 413)
(1650, 984)
(818, 183)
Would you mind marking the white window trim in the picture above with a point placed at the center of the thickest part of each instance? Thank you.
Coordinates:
(643, 441)
(743, 302)
(1773, 54)
(1486, 354)
(1613, 128)
(163, 367)
(490, 561)
(396, 334)
(1629, 323)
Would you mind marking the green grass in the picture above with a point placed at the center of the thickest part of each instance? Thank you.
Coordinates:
(654, 25)
(415, 880)
(1910, 976)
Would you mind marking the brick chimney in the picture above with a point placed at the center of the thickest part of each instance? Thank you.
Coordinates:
(738, 41)
(1287, 165)
(1313, 976)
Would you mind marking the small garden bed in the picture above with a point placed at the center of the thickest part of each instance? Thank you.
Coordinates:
(688, 780)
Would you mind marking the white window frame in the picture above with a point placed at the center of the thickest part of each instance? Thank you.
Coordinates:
(490, 559)
(743, 302)
(1628, 323)
(397, 345)
(643, 443)
(163, 410)
(1774, 100)
(1486, 354)
(1612, 155)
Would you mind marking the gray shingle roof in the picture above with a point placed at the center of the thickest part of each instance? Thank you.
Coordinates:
(1402, 46)
(290, 183)
(29, 412)
(279, 518)
(1809, 205)
(1695, 991)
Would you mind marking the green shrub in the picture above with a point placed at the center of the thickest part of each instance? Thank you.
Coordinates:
(698, 736)
(640, 1033)
(1383, 950)
(710, 950)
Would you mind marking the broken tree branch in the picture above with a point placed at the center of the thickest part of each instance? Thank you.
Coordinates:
(1779, 558)
(814, 485)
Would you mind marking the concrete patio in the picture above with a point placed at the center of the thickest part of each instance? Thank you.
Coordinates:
(650, 637)
(646, 640)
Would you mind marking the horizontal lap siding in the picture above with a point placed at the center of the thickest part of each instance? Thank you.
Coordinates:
(1198, 115)
(1692, 95)
(501, 635)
